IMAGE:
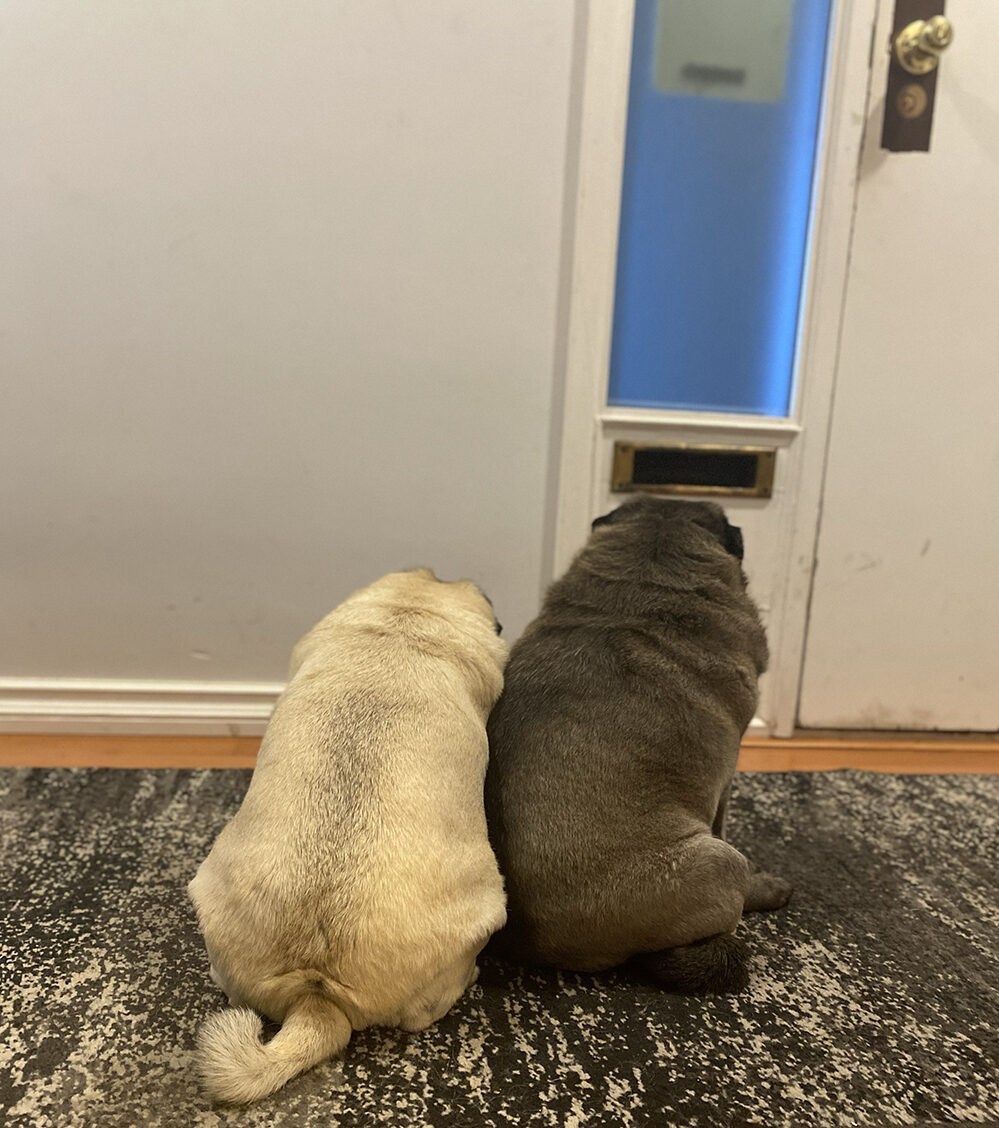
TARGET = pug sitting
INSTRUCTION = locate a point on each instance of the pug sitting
(355, 886)
(612, 751)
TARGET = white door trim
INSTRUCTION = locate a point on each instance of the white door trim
(590, 277)
(845, 118)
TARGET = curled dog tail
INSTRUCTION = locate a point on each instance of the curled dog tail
(718, 965)
(236, 1066)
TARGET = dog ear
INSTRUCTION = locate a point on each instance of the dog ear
(609, 518)
(733, 540)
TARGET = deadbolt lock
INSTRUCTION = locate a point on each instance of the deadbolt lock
(918, 45)
(911, 101)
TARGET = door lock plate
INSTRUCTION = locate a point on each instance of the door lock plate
(920, 32)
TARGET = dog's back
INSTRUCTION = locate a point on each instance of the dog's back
(334, 859)
(615, 736)
(357, 873)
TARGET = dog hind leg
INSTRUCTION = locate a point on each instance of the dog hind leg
(438, 997)
(706, 889)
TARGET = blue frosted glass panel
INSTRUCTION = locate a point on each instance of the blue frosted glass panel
(714, 218)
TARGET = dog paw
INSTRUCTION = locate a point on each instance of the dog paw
(766, 891)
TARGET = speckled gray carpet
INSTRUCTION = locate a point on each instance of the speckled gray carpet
(875, 994)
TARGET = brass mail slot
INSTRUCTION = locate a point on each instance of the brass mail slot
(687, 468)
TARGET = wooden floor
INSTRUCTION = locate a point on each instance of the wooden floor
(806, 751)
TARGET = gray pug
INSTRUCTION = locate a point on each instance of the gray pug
(612, 751)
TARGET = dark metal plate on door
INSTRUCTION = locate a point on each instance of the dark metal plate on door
(920, 32)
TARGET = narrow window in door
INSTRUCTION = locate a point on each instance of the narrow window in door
(721, 143)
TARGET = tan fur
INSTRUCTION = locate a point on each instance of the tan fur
(355, 886)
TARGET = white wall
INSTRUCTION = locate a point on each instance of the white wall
(278, 302)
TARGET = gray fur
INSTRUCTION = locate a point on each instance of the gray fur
(613, 746)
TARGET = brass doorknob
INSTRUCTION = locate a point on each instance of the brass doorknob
(918, 45)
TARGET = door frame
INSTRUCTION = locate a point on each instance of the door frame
(582, 420)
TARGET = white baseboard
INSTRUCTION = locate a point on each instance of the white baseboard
(759, 727)
(149, 708)
(140, 708)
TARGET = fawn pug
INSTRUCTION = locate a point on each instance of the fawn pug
(355, 885)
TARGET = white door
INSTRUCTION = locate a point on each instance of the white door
(904, 620)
